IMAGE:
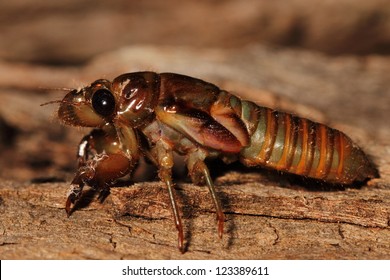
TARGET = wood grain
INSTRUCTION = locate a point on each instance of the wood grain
(263, 221)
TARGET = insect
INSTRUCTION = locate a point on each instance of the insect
(154, 115)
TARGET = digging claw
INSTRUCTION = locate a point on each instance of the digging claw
(68, 205)
(103, 194)
(73, 194)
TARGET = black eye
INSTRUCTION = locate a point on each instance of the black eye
(103, 102)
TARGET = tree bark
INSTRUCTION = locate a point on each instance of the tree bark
(263, 221)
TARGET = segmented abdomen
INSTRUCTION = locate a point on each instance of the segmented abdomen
(297, 145)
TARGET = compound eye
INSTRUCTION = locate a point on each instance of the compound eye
(103, 102)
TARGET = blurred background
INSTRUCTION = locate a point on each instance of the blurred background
(71, 32)
(327, 60)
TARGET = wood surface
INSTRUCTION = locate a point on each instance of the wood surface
(263, 221)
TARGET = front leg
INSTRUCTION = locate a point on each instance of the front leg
(85, 152)
(101, 161)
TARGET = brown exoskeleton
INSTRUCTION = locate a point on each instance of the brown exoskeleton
(175, 113)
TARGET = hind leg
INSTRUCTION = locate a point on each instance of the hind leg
(200, 174)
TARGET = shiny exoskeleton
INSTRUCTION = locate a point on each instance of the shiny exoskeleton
(153, 115)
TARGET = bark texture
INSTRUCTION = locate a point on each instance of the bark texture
(263, 221)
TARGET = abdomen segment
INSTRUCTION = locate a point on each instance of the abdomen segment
(297, 145)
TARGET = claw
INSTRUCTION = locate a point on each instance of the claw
(221, 220)
(68, 206)
(180, 240)
(104, 192)
(73, 194)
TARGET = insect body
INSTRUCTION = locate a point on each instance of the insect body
(153, 115)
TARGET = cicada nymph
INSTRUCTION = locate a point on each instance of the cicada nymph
(154, 115)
